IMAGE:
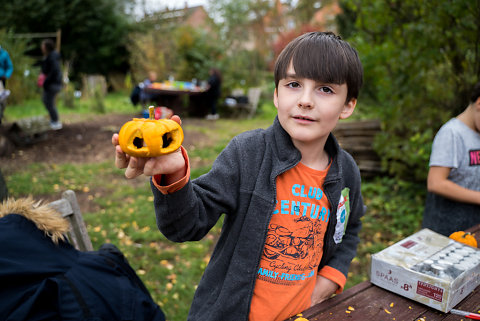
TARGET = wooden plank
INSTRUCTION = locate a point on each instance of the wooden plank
(331, 303)
(348, 133)
(357, 138)
(78, 225)
(68, 207)
(352, 149)
(373, 303)
(62, 206)
(360, 124)
(369, 167)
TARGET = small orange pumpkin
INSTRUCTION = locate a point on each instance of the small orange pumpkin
(464, 237)
(150, 137)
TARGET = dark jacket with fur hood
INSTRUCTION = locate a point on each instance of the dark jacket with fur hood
(42, 277)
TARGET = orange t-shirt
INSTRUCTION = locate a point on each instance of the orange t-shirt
(294, 246)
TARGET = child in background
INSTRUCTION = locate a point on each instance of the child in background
(453, 182)
(291, 196)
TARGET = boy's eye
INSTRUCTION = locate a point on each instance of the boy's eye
(293, 84)
(325, 89)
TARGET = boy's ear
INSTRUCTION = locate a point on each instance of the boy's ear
(348, 108)
(477, 103)
(275, 98)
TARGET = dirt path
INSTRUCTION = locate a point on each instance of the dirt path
(86, 141)
(82, 141)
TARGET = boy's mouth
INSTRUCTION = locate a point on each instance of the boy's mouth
(302, 118)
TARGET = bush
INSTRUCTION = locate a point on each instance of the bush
(420, 59)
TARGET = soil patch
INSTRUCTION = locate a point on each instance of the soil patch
(85, 141)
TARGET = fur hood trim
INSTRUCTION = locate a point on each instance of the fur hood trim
(45, 218)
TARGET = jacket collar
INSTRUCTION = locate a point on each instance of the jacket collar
(289, 155)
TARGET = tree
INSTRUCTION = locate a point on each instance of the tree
(305, 10)
(421, 59)
(94, 32)
(246, 32)
(233, 17)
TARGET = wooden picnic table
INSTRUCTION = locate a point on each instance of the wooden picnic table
(183, 102)
(368, 302)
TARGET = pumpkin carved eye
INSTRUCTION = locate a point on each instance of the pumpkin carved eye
(150, 137)
(167, 140)
(138, 142)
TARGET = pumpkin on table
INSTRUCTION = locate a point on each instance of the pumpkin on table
(464, 237)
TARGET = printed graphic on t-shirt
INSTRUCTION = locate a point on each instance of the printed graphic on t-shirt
(294, 242)
(474, 157)
(288, 251)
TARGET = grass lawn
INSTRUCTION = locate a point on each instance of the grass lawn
(121, 211)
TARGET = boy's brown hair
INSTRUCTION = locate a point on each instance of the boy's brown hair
(475, 92)
(323, 57)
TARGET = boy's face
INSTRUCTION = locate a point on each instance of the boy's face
(309, 110)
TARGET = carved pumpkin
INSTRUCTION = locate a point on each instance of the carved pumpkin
(150, 137)
(464, 237)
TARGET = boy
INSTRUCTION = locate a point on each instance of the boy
(453, 201)
(290, 194)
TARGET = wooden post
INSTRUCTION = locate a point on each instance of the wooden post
(58, 39)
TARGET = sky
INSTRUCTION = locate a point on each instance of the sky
(157, 5)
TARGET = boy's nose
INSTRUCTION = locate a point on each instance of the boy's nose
(305, 100)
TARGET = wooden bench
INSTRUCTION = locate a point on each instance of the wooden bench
(357, 138)
(69, 208)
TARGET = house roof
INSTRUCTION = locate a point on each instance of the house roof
(194, 16)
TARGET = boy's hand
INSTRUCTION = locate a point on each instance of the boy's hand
(170, 164)
(324, 289)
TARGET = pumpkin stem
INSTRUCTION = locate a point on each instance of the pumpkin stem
(151, 112)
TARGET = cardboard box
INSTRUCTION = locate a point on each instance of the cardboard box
(429, 268)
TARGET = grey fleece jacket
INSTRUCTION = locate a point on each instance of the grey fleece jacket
(241, 184)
